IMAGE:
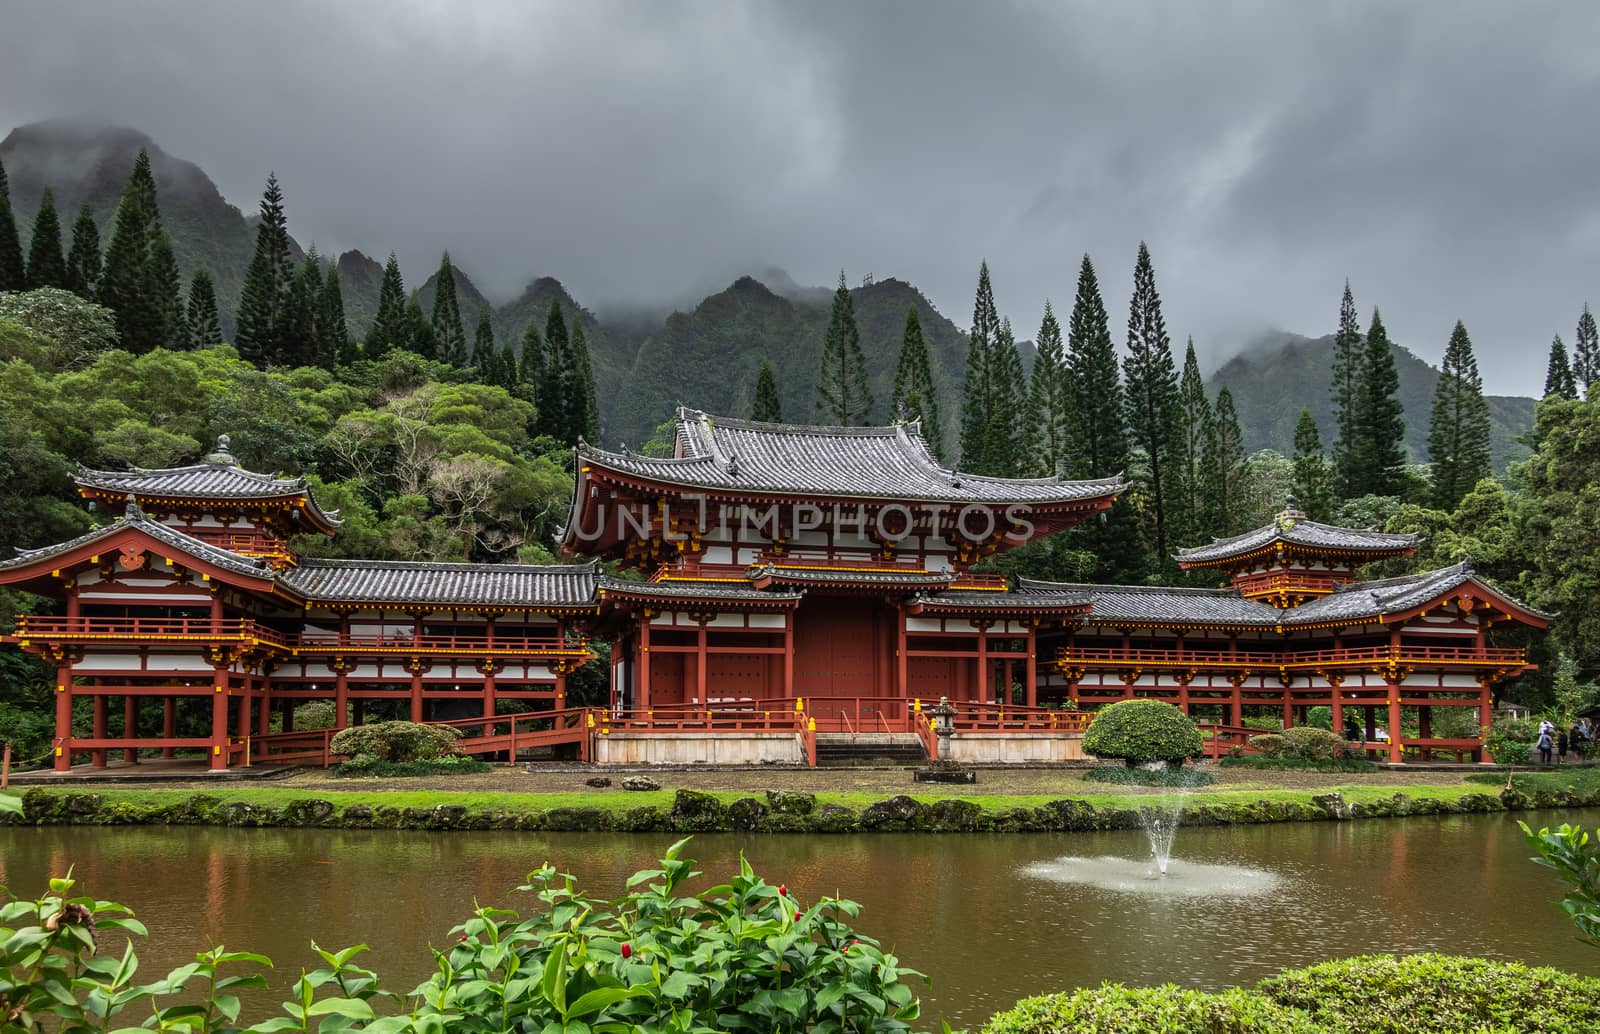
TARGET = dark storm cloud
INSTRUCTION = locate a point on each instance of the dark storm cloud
(1441, 156)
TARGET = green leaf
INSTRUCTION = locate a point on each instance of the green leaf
(603, 998)
(354, 1008)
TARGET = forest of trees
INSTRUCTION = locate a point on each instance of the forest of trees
(436, 443)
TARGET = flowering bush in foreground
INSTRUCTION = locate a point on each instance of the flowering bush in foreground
(740, 956)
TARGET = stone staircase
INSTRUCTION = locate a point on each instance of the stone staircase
(841, 750)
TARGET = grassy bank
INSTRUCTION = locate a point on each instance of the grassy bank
(385, 806)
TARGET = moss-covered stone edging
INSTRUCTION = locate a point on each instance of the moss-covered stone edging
(692, 811)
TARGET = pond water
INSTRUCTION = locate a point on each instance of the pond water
(991, 918)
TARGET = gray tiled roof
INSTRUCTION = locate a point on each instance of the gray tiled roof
(1301, 532)
(155, 529)
(815, 576)
(1155, 605)
(1023, 598)
(689, 590)
(1367, 600)
(890, 462)
(220, 477)
(404, 581)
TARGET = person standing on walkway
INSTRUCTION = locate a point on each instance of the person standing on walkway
(1561, 747)
(1544, 743)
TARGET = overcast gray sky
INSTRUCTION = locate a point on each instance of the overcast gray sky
(1442, 156)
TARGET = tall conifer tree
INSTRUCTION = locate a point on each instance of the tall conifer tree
(1194, 425)
(389, 327)
(554, 407)
(767, 407)
(1458, 436)
(13, 273)
(583, 418)
(205, 326)
(505, 367)
(165, 288)
(1381, 419)
(1313, 485)
(531, 362)
(1152, 394)
(335, 346)
(1346, 392)
(299, 341)
(977, 390)
(262, 333)
(1100, 431)
(1007, 403)
(83, 261)
(449, 333)
(915, 397)
(1225, 470)
(418, 329)
(484, 350)
(125, 279)
(47, 264)
(1586, 355)
(1046, 427)
(1558, 380)
(842, 394)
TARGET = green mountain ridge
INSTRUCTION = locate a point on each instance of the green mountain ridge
(1274, 378)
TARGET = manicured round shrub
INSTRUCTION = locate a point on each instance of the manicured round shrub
(396, 741)
(317, 714)
(1114, 1009)
(1270, 744)
(1419, 993)
(1142, 731)
(1312, 744)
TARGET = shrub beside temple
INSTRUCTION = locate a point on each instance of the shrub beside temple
(1143, 731)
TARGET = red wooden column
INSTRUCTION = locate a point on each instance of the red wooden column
(97, 758)
(247, 704)
(63, 759)
(902, 678)
(1395, 748)
(219, 718)
(416, 669)
(130, 728)
(788, 654)
(1336, 703)
(169, 723)
(700, 659)
(341, 694)
(488, 669)
(983, 660)
(1031, 697)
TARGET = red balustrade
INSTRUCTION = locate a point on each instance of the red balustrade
(32, 626)
(1404, 654)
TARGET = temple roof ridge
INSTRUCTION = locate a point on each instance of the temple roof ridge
(1303, 532)
(1156, 590)
(155, 529)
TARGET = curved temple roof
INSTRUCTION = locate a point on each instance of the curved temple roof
(888, 462)
(1295, 529)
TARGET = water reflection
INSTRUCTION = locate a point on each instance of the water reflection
(969, 910)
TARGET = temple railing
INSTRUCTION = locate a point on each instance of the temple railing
(1289, 582)
(1497, 656)
(145, 629)
(477, 645)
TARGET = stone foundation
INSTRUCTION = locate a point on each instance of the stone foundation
(1006, 748)
(698, 748)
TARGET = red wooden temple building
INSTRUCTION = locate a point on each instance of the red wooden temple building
(788, 585)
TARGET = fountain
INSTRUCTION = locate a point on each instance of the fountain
(1160, 822)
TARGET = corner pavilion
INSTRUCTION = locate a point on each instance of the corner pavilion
(789, 587)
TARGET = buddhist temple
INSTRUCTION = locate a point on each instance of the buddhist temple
(775, 591)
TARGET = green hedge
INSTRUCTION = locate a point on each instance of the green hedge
(395, 741)
(1143, 731)
(1370, 994)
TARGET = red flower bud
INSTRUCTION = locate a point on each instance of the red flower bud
(783, 890)
(797, 915)
(627, 950)
(463, 937)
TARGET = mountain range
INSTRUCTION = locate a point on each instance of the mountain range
(647, 360)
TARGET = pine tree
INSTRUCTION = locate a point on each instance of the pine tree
(449, 334)
(1380, 420)
(125, 280)
(915, 397)
(1099, 432)
(418, 330)
(83, 261)
(842, 395)
(299, 342)
(47, 266)
(1586, 355)
(1152, 396)
(483, 346)
(1458, 436)
(165, 291)
(1043, 434)
(767, 408)
(389, 327)
(977, 390)
(205, 327)
(531, 363)
(1223, 462)
(13, 274)
(1008, 403)
(1194, 425)
(1558, 379)
(262, 336)
(552, 398)
(335, 346)
(1312, 477)
(1346, 392)
(583, 417)
(505, 367)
